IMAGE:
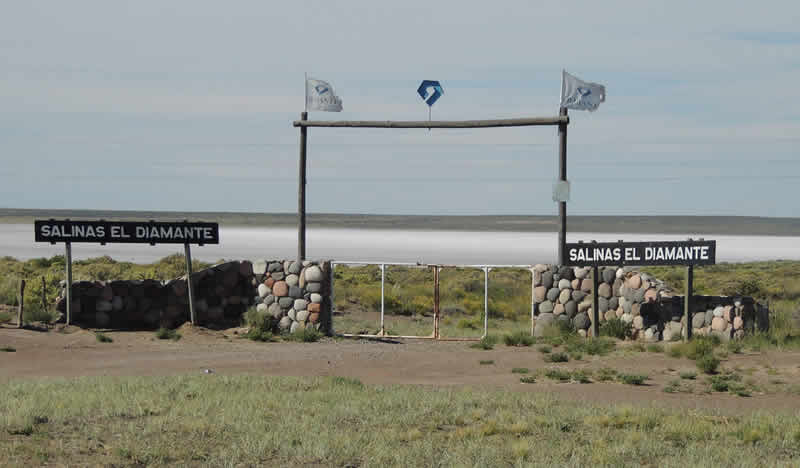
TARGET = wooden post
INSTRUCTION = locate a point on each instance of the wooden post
(436, 302)
(301, 194)
(190, 289)
(68, 248)
(596, 305)
(562, 175)
(21, 307)
(687, 302)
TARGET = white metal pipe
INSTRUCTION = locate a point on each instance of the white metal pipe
(383, 282)
(485, 301)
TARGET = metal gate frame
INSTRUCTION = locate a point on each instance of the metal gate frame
(435, 335)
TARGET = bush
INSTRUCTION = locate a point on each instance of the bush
(638, 347)
(306, 335)
(5, 317)
(486, 343)
(591, 346)
(688, 375)
(545, 349)
(487, 362)
(528, 379)
(735, 347)
(581, 376)
(519, 338)
(103, 338)
(261, 325)
(708, 363)
(632, 379)
(167, 334)
(561, 375)
(8, 349)
(520, 370)
(606, 374)
(557, 357)
(616, 328)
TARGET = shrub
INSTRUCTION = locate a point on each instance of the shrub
(632, 379)
(103, 338)
(520, 370)
(673, 386)
(260, 335)
(261, 325)
(688, 375)
(638, 347)
(735, 347)
(591, 346)
(557, 357)
(655, 348)
(486, 343)
(701, 346)
(305, 335)
(528, 379)
(719, 385)
(708, 363)
(5, 317)
(615, 328)
(581, 376)
(606, 374)
(519, 338)
(8, 349)
(545, 349)
(575, 356)
(561, 375)
(167, 334)
(487, 362)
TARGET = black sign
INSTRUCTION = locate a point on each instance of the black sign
(642, 253)
(126, 232)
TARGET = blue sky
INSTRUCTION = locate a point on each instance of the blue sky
(187, 105)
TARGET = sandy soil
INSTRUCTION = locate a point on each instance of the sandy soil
(75, 352)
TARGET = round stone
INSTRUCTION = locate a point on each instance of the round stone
(602, 303)
(285, 323)
(726, 313)
(541, 267)
(613, 303)
(586, 285)
(313, 273)
(616, 287)
(645, 285)
(609, 274)
(545, 307)
(280, 289)
(620, 273)
(610, 314)
(285, 302)
(638, 296)
(718, 312)
(316, 298)
(619, 312)
(636, 309)
(578, 296)
(294, 268)
(635, 282)
(582, 333)
(547, 279)
(709, 316)
(269, 299)
(295, 292)
(581, 273)
(571, 308)
(576, 283)
(275, 311)
(649, 335)
(581, 321)
(292, 314)
(302, 316)
(738, 323)
(539, 294)
(259, 267)
(564, 283)
(292, 280)
(313, 287)
(294, 327)
(584, 306)
(300, 304)
(564, 296)
(314, 317)
(262, 308)
(566, 273)
(263, 290)
(699, 320)
(537, 278)
(274, 266)
(718, 324)
(604, 290)
(552, 294)
(558, 309)
(627, 318)
(312, 308)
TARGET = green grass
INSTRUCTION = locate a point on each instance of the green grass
(232, 421)
(486, 343)
(167, 334)
(486, 362)
(655, 348)
(688, 375)
(544, 349)
(605, 374)
(557, 357)
(520, 370)
(520, 338)
(615, 328)
(305, 335)
(708, 363)
(5, 317)
(103, 338)
(632, 379)
(591, 346)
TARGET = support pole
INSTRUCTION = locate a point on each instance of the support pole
(383, 283)
(44, 295)
(596, 300)
(301, 194)
(436, 302)
(68, 248)
(189, 287)
(562, 175)
(533, 303)
(485, 301)
(687, 302)
(21, 307)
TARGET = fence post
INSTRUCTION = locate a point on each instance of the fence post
(383, 282)
(68, 248)
(190, 290)
(533, 306)
(44, 295)
(596, 301)
(485, 301)
(21, 302)
(436, 302)
(687, 302)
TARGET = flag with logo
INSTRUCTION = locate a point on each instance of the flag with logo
(321, 97)
(580, 95)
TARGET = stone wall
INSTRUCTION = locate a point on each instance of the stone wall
(300, 293)
(645, 303)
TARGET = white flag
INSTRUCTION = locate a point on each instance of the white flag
(580, 95)
(320, 96)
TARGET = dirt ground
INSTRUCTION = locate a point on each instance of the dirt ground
(76, 352)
